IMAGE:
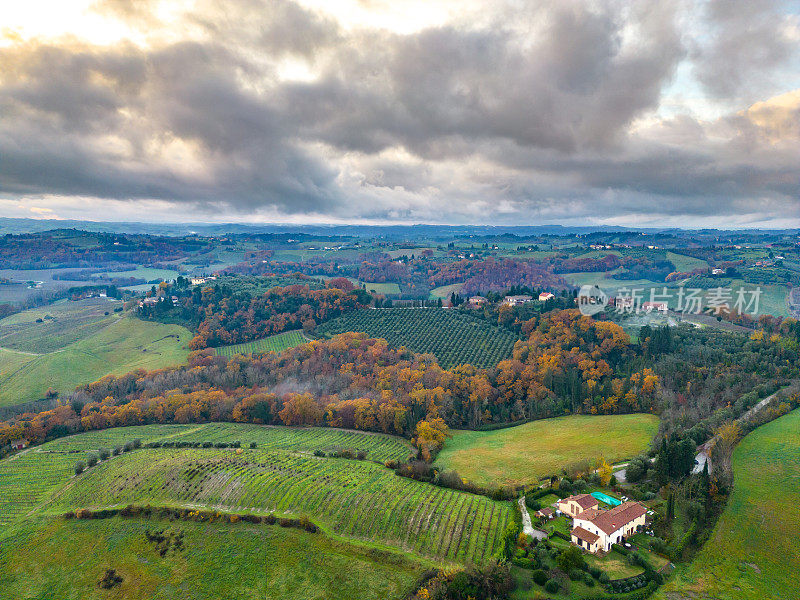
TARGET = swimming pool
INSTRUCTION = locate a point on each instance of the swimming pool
(606, 498)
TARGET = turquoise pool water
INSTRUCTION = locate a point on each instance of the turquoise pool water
(607, 499)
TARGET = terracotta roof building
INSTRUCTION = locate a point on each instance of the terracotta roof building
(576, 505)
(585, 539)
(610, 526)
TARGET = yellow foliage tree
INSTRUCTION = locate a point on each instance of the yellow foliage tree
(604, 470)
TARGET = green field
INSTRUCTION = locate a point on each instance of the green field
(123, 345)
(752, 553)
(62, 323)
(387, 289)
(686, 264)
(274, 343)
(146, 273)
(451, 336)
(523, 454)
(379, 447)
(57, 558)
(352, 499)
(355, 499)
(27, 479)
(444, 291)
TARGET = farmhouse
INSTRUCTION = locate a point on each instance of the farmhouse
(596, 530)
(623, 303)
(19, 444)
(657, 306)
(477, 301)
(575, 505)
(517, 300)
(585, 539)
(545, 296)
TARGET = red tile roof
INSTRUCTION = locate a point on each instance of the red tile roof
(589, 514)
(612, 520)
(583, 500)
(585, 535)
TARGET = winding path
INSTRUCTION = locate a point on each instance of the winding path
(527, 525)
(704, 456)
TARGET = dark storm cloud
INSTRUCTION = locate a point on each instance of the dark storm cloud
(65, 114)
(531, 115)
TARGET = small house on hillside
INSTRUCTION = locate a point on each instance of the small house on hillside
(575, 505)
(545, 296)
(655, 306)
(517, 300)
(477, 301)
(20, 444)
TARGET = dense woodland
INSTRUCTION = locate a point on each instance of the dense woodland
(76, 249)
(237, 311)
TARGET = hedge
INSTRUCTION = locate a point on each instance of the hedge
(186, 514)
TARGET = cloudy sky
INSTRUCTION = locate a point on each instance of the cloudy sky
(637, 112)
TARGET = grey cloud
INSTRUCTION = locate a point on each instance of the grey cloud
(58, 111)
(532, 117)
(747, 41)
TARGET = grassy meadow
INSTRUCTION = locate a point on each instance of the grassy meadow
(52, 327)
(686, 264)
(752, 553)
(444, 291)
(523, 454)
(122, 344)
(355, 500)
(358, 500)
(387, 289)
(274, 343)
(57, 558)
(28, 479)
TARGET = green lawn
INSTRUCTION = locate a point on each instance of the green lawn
(125, 344)
(387, 289)
(686, 264)
(523, 454)
(62, 323)
(444, 291)
(274, 343)
(752, 553)
(56, 558)
(615, 564)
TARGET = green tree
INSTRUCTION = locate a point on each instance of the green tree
(571, 558)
